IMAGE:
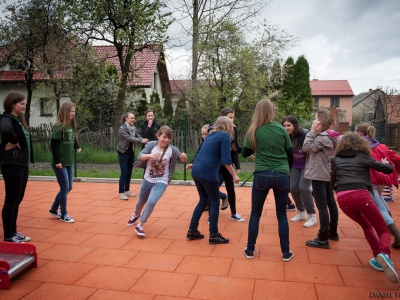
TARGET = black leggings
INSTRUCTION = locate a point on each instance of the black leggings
(15, 180)
(230, 188)
(324, 200)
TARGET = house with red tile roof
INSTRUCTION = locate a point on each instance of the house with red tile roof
(337, 93)
(148, 72)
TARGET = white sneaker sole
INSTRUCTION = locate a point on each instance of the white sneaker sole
(310, 225)
(390, 272)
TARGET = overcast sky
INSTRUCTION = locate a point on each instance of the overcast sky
(357, 40)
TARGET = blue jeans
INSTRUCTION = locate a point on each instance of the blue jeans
(382, 206)
(126, 164)
(264, 181)
(209, 193)
(149, 193)
(64, 179)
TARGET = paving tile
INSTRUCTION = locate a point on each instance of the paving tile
(213, 287)
(37, 234)
(196, 247)
(19, 288)
(155, 261)
(107, 241)
(274, 253)
(334, 292)
(168, 284)
(52, 291)
(105, 228)
(214, 266)
(105, 218)
(265, 289)
(108, 257)
(65, 252)
(339, 257)
(148, 244)
(69, 237)
(231, 251)
(77, 226)
(313, 273)
(365, 277)
(257, 269)
(352, 232)
(103, 294)
(62, 272)
(111, 278)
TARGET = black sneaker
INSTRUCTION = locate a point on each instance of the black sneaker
(249, 254)
(291, 207)
(194, 235)
(287, 257)
(14, 239)
(21, 237)
(218, 239)
(55, 213)
(318, 243)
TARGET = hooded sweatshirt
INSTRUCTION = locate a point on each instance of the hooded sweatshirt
(320, 148)
(379, 151)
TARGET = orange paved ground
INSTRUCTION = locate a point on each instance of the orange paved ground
(99, 257)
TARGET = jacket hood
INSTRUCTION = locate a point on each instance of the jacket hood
(333, 135)
(372, 142)
(347, 154)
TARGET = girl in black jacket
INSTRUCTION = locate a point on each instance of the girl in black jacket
(350, 180)
(15, 155)
(149, 127)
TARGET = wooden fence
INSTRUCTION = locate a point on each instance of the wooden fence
(105, 140)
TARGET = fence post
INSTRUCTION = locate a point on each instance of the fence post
(184, 143)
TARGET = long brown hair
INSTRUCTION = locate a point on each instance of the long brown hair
(353, 142)
(263, 114)
(11, 99)
(325, 119)
(125, 116)
(297, 131)
(64, 118)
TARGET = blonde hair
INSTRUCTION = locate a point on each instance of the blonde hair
(64, 118)
(325, 119)
(353, 142)
(263, 114)
(366, 129)
(223, 124)
(205, 127)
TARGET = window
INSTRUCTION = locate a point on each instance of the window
(335, 101)
(155, 81)
(46, 107)
(316, 102)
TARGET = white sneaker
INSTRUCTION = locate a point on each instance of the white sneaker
(312, 221)
(237, 217)
(122, 196)
(129, 194)
(301, 215)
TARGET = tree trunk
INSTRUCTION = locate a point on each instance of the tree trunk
(195, 43)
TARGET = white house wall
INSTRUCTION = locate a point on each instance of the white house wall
(158, 89)
(35, 118)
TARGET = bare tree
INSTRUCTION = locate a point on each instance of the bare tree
(205, 16)
(388, 106)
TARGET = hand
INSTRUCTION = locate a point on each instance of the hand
(252, 157)
(237, 171)
(189, 166)
(150, 123)
(315, 126)
(59, 166)
(10, 146)
(183, 157)
(78, 150)
(385, 161)
(236, 179)
(145, 141)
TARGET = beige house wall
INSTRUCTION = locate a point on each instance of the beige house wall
(345, 108)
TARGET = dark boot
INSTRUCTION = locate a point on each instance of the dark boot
(332, 234)
(321, 241)
(395, 232)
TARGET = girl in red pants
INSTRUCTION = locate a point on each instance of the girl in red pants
(350, 179)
